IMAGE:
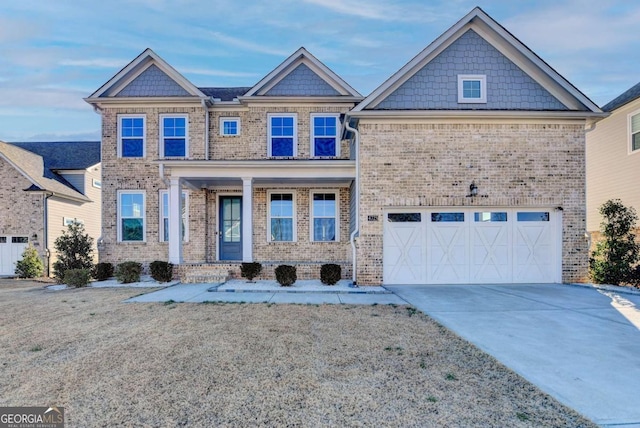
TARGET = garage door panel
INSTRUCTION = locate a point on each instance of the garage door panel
(448, 252)
(491, 258)
(404, 253)
(11, 249)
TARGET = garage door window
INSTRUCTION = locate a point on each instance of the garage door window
(3, 239)
(404, 217)
(19, 240)
(490, 216)
(447, 217)
(533, 216)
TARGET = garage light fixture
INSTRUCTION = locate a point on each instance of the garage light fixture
(473, 190)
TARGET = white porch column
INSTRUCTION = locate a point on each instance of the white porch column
(247, 219)
(175, 221)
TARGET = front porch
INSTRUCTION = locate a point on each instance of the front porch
(218, 272)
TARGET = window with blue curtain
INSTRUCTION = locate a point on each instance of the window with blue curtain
(174, 136)
(325, 135)
(132, 137)
(324, 216)
(282, 135)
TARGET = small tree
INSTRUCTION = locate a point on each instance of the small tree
(31, 265)
(74, 250)
(614, 259)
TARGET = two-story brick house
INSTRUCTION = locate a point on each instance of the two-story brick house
(466, 166)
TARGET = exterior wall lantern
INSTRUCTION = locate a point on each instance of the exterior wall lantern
(473, 190)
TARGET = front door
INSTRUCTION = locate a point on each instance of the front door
(230, 233)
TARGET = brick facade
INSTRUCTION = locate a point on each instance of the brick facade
(433, 164)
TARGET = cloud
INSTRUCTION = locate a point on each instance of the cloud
(214, 72)
(380, 10)
(247, 45)
(95, 63)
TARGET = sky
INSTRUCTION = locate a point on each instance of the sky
(54, 53)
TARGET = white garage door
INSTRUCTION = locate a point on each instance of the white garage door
(11, 249)
(469, 246)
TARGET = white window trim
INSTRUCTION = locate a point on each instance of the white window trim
(144, 133)
(161, 217)
(630, 133)
(312, 132)
(295, 132)
(144, 213)
(161, 132)
(483, 88)
(295, 217)
(336, 192)
(229, 119)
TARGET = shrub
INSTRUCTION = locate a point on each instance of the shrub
(30, 266)
(250, 270)
(286, 275)
(73, 249)
(102, 271)
(128, 272)
(161, 271)
(330, 273)
(614, 259)
(77, 277)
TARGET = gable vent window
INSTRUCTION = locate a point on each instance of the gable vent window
(635, 131)
(472, 88)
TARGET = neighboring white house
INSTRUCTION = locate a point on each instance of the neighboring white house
(44, 186)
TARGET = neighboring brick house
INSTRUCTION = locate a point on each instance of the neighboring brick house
(43, 186)
(467, 165)
(613, 158)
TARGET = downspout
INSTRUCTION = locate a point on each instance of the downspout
(45, 230)
(589, 126)
(356, 229)
(206, 129)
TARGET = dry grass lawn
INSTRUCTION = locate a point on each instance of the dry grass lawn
(115, 364)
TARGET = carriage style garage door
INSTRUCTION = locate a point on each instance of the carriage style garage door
(469, 246)
(11, 249)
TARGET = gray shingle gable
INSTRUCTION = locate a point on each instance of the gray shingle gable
(435, 86)
(153, 82)
(302, 81)
(65, 154)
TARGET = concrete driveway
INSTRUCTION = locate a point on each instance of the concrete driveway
(579, 344)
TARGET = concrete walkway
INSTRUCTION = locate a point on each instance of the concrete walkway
(581, 345)
(302, 292)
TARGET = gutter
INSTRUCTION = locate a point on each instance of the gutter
(356, 229)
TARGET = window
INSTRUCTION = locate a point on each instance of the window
(489, 216)
(533, 216)
(282, 135)
(404, 218)
(447, 217)
(472, 88)
(281, 217)
(229, 126)
(131, 216)
(164, 216)
(634, 129)
(19, 240)
(324, 135)
(324, 214)
(131, 136)
(173, 136)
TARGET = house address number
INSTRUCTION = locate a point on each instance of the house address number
(372, 218)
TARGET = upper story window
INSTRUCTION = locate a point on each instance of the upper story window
(324, 213)
(173, 135)
(634, 131)
(283, 130)
(164, 216)
(282, 217)
(131, 215)
(131, 136)
(472, 88)
(324, 135)
(229, 126)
